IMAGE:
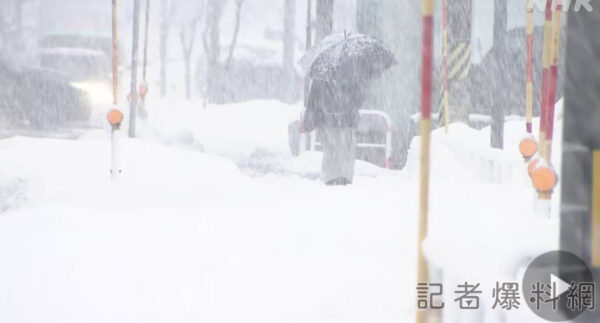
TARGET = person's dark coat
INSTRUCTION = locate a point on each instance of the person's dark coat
(333, 105)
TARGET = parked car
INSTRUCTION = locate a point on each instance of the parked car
(40, 97)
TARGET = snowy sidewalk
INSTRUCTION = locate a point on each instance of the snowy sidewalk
(190, 236)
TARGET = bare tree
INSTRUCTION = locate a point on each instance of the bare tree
(324, 19)
(212, 49)
(187, 37)
(236, 31)
(167, 10)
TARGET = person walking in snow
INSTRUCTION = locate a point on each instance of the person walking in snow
(333, 110)
(341, 68)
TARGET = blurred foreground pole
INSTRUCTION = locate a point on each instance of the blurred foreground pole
(144, 85)
(445, 99)
(426, 79)
(529, 69)
(545, 76)
(115, 165)
(134, 66)
(580, 192)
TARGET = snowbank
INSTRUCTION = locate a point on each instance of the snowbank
(188, 235)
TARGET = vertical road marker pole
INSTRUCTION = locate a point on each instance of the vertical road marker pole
(303, 135)
(144, 85)
(529, 82)
(134, 66)
(115, 116)
(426, 83)
(446, 95)
(553, 76)
(545, 75)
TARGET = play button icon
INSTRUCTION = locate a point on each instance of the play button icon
(551, 286)
(560, 286)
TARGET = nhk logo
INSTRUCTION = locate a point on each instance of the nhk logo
(566, 5)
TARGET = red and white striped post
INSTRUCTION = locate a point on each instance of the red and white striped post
(446, 94)
(545, 75)
(553, 77)
(115, 116)
(529, 83)
(426, 84)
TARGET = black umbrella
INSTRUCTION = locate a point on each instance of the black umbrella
(354, 60)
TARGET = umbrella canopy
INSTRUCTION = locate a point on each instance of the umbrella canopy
(354, 60)
(311, 54)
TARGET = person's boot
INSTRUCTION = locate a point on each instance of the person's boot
(339, 181)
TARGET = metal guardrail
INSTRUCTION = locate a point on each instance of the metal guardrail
(387, 146)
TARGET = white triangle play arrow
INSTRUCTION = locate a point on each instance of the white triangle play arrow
(561, 285)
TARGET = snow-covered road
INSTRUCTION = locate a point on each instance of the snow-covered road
(188, 235)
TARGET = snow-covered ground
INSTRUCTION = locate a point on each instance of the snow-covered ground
(214, 221)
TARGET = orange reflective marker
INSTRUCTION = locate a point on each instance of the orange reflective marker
(544, 178)
(532, 165)
(528, 147)
(114, 117)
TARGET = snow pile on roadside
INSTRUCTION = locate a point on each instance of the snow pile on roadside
(186, 236)
(235, 131)
(483, 229)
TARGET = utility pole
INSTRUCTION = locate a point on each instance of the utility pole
(134, 66)
(144, 85)
(302, 139)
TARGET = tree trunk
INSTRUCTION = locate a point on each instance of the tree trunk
(289, 41)
(164, 39)
(188, 78)
(498, 78)
(324, 19)
(213, 51)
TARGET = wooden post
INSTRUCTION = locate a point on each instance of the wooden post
(529, 82)
(446, 94)
(426, 83)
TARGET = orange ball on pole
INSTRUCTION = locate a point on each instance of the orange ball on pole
(528, 147)
(114, 117)
(544, 178)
